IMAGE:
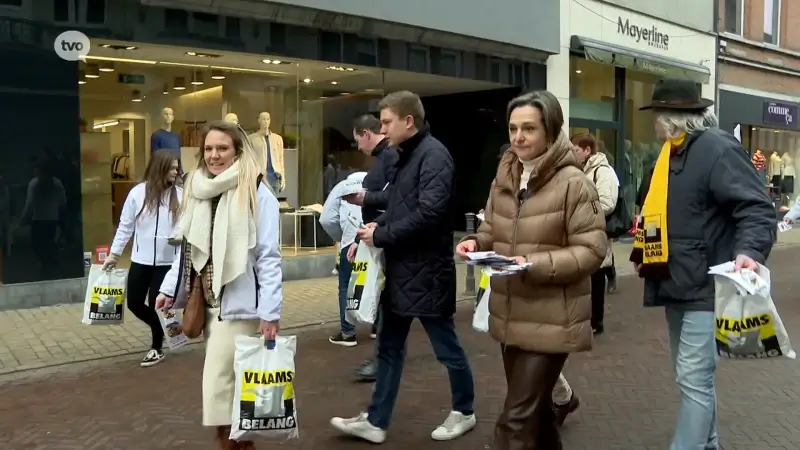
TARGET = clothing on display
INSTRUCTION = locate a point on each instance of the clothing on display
(163, 139)
(270, 146)
(760, 163)
(787, 184)
(774, 167)
(775, 181)
(192, 133)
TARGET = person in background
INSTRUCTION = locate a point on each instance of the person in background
(704, 205)
(149, 216)
(542, 210)
(44, 210)
(373, 200)
(229, 226)
(330, 175)
(417, 243)
(596, 167)
(336, 221)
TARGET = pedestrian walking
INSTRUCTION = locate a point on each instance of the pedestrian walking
(373, 200)
(542, 210)
(704, 205)
(149, 216)
(229, 227)
(337, 220)
(596, 167)
(417, 239)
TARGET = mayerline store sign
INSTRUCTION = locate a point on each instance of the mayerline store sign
(638, 32)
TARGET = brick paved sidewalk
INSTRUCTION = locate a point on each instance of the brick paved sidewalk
(626, 388)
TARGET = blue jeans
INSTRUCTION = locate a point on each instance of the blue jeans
(345, 269)
(392, 337)
(694, 358)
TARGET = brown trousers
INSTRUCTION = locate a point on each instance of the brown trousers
(527, 421)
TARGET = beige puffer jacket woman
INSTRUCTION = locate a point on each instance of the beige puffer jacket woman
(559, 228)
(606, 182)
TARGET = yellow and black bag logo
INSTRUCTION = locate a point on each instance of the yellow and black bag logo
(747, 338)
(482, 286)
(358, 278)
(267, 400)
(107, 304)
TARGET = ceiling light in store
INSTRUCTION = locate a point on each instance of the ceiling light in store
(307, 80)
(92, 71)
(322, 97)
(81, 77)
(106, 66)
(372, 90)
(217, 75)
(119, 47)
(137, 97)
(344, 93)
(240, 69)
(122, 60)
(166, 89)
(197, 78)
(341, 68)
(777, 131)
(180, 84)
(203, 55)
(334, 83)
(273, 61)
(578, 71)
(106, 124)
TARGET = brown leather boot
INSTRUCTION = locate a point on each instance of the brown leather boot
(562, 411)
(223, 438)
(244, 445)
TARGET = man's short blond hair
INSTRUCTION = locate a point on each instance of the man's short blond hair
(404, 104)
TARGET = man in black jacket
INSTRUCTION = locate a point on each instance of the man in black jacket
(417, 241)
(367, 133)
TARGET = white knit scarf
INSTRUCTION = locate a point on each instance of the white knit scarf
(234, 233)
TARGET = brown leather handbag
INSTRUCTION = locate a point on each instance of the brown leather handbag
(194, 314)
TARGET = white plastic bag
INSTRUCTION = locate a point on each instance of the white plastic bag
(366, 285)
(264, 403)
(104, 303)
(747, 322)
(480, 317)
(171, 324)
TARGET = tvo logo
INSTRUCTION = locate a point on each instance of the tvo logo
(72, 45)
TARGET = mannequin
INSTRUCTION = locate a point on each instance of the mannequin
(774, 170)
(164, 138)
(232, 118)
(270, 146)
(760, 163)
(787, 174)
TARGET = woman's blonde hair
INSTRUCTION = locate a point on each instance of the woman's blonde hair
(250, 167)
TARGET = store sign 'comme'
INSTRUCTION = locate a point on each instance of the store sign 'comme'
(649, 34)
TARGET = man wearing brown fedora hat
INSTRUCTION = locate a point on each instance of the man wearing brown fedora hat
(704, 205)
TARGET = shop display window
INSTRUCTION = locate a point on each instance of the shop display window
(774, 154)
(137, 98)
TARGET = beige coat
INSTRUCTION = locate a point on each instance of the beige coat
(560, 229)
(606, 182)
(276, 152)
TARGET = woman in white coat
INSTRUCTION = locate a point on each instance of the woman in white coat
(149, 216)
(229, 224)
(597, 168)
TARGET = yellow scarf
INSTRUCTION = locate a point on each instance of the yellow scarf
(651, 247)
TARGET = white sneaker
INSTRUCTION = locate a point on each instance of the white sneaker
(360, 427)
(152, 358)
(456, 425)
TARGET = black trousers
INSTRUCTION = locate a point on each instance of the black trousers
(144, 283)
(598, 296)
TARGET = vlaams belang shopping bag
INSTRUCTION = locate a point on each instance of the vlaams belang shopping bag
(480, 317)
(264, 403)
(747, 322)
(366, 284)
(104, 303)
(171, 324)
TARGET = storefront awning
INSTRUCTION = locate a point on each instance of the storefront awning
(628, 58)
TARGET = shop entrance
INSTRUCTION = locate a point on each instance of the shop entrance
(604, 132)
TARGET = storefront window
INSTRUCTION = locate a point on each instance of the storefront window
(137, 98)
(591, 90)
(775, 154)
(641, 145)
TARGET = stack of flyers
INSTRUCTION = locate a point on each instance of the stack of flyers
(494, 264)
